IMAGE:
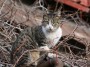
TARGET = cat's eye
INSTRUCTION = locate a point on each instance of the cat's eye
(55, 19)
(45, 18)
(45, 23)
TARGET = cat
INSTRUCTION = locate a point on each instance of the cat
(44, 36)
(51, 31)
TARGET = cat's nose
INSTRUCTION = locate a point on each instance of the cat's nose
(51, 28)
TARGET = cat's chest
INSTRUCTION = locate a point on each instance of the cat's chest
(54, 37)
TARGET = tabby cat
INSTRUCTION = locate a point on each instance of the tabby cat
(51, 31)
(44, 37)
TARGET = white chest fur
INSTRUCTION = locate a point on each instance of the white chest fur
(53, 37)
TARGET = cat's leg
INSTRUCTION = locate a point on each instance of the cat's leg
(46, 48)
(50, 55)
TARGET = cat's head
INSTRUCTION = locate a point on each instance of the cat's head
(51, 21)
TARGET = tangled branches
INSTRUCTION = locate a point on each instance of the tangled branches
(17, 18)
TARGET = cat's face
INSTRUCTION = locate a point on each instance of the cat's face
(51, 22)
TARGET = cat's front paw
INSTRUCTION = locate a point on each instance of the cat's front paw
(45, 48)
(52, 55)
